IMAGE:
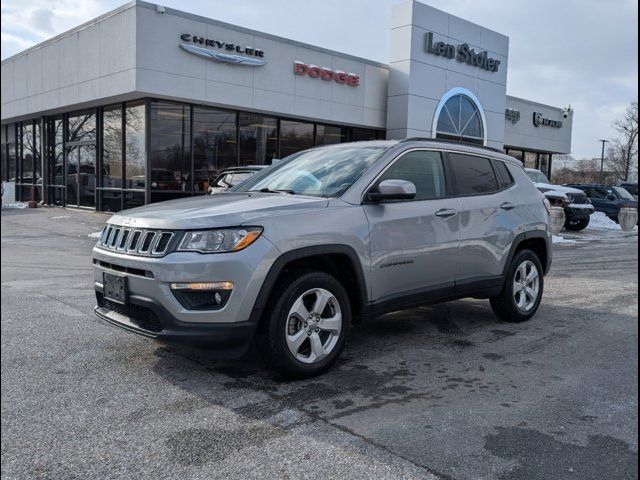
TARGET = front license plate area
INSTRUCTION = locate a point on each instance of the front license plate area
(115, 287)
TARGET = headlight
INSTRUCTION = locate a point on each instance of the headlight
(218, 241)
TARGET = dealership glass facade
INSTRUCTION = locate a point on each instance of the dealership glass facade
(125, 155)
(532, 159)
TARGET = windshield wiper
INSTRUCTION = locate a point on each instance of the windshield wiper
(268, 190)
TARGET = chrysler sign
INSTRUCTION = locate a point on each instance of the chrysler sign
(249, 56)
(462, 52)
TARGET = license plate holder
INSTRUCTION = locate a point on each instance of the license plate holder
(115, 287)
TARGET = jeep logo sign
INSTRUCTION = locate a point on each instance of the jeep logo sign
(539, 120)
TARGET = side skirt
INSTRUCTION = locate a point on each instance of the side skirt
(482, 288)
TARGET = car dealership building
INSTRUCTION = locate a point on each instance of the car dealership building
(146, 103)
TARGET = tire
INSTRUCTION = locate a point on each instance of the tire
(577, 225)
(283, 325)
(505, 305)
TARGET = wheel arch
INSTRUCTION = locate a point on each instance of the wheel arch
(339, 260)
(536, 241)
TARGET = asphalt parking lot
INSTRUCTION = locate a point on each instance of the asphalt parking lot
(445, 392)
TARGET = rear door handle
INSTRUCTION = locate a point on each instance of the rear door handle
(507, 206)
(446, 213)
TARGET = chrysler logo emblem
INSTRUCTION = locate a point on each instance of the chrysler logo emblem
(223, 57)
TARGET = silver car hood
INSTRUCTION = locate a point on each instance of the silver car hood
(213, 211)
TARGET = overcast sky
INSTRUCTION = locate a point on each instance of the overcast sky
(578, 52)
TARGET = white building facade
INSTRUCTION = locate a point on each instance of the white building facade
(146, 103)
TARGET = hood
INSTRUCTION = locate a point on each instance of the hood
(558, 188)
(214, 211)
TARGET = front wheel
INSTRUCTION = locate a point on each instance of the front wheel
(307, 326)
(576, 225)
(522, 292)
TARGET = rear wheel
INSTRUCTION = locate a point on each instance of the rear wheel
(307, 325)
(576, 225)
(522, 292)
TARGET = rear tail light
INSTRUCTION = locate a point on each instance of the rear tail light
(547, 205)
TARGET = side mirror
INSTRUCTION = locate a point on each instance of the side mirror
(612, 197)
(392, 190)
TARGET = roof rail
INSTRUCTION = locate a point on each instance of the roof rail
(453, 142)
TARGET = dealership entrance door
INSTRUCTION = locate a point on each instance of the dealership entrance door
(81, 175)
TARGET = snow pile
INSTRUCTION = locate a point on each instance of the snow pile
(559, 239)
(601, 221)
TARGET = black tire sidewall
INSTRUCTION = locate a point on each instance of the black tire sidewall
(577, 225)
(278, 317)
(514, 312)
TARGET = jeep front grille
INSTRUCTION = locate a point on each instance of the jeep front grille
(134, 241)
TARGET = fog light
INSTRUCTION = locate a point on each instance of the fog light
(202, 295)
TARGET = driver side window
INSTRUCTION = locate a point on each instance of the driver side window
(422, 168)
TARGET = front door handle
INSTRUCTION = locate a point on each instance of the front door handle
(446, 213)
(507, 206)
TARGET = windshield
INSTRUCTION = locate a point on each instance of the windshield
(537, 177)
(320, 172)
(622, 193)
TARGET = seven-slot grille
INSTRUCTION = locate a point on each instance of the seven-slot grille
(134, 241)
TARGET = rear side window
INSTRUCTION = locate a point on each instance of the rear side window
(472, 175)
(422, 168)
(504, 176)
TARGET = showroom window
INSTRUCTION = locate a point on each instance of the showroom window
(365, 134)
(55, 161)
(170, 158)
(80, 159)
(28, 165)
(459, 117)
(331, 134)
(295, 136)
(258, 137)
(135, 147)
(530, 160)
(214, 144)
(124, 158)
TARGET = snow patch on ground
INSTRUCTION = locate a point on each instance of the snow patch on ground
(559, 239)
(95, 234)
(14, 205)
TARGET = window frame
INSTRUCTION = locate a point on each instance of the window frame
(511, 180)
(375, 182)
(491, 160)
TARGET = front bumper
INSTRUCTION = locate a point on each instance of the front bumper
(230, 340)
(578, 211)
(153, 310)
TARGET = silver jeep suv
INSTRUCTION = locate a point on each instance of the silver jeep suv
(322, 240)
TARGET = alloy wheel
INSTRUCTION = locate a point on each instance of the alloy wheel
(313, 325)
(526, 285)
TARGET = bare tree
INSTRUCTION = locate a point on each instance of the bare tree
(623, 154)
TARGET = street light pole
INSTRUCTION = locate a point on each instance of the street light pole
(602, 161)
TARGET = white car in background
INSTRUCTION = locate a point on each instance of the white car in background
(577, 207)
